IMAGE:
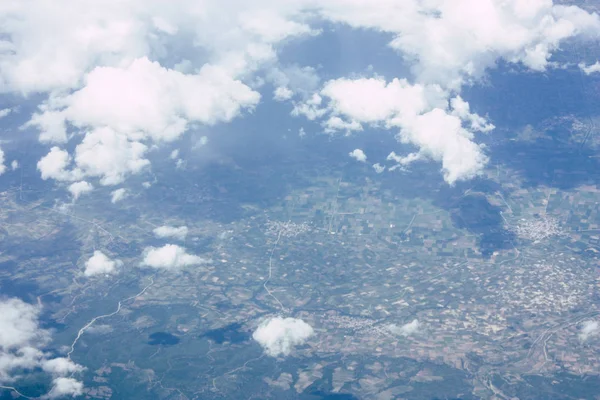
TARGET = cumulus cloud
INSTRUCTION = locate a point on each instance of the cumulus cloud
(461, 109)
(278, 28)
(62, 387)
(358, 155)
(81, 37)
(282, 93)
(408, 329)
(402, 161)
(310, 108)
(118, 195)
(61, 366)
(335, 124)
(100, 263)
(111, 85)
(378, 168)
(53, 124)
(54, 165)
(179, 232)
(237, 36)
(121, 108)
(19, 321)
(451, 42)
(423, 114)
(278, 336)
(14, 165)
(590, 69)
(21, 343)
(2, 166)
(589, 329)
(78, 188)
(302, 80)
(170, 257)
(111, 88)
(144, 99)
(109, 156)
(4, 112)
(373, 100)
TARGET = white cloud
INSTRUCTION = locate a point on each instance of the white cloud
(282, 93)
(19, 325)
(276, 29)
(107, 155)
(100, 263)
(120, 108)
(373, 100)
(170, 257)
(22, 341)
(441, 137)
(52, 125)
(2, 166)
(408, 329)
(237, 35)
(461, 109)
(402, 161)
(78, 188)
(117, 84)
(201, 142)
(310, 108)
(61, 366)
(293, 79)
(378, 168)
(174, 154)
(118, 195)
(358, 155)
(110, 82)
(4, 112)
(62, 387)
(423, 114)
(144, 97)
(165, 231)
(590, 69)
(589, 329)
(54, 165)
(109, 34)
(335, 123)
(14, 164)
(450, 42)
(278, 336)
